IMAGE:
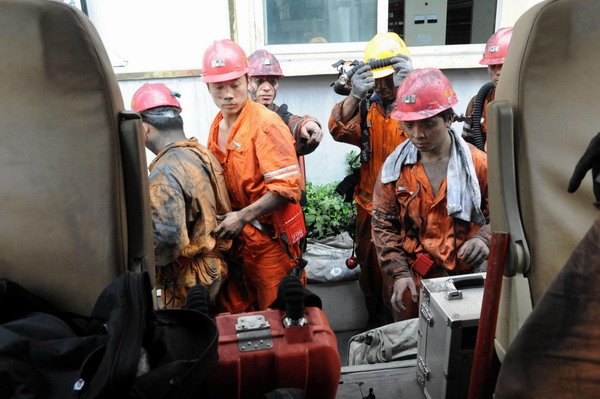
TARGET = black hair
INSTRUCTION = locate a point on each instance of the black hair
(447, 115)
(156, 118)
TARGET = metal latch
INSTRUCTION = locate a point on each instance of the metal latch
(452, 292)
(426, 314)
(422, 371)
(253, 333)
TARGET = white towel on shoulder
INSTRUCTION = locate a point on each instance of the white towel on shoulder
(462, 188)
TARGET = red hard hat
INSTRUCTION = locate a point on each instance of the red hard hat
(263, 63)
(223, 60)
(422, 94)
(496, 47)
(152, 95)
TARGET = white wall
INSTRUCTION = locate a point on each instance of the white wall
(155, 35)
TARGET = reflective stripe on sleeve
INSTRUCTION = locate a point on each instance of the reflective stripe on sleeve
(282, 173)
(283, 176)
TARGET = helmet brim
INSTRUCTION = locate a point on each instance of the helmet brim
(224, 77)
(492, 61)
(382, 73)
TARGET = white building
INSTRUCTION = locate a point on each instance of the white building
(153, 40)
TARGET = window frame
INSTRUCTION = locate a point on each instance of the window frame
(247, 24)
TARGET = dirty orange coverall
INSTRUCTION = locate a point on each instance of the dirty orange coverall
(260, 156)
(385, 135)
(187, 191)
(408, 218)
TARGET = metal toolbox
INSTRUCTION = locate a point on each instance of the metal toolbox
(448, 318)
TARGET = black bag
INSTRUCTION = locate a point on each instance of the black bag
(125, 349)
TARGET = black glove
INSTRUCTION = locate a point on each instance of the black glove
(589, 160)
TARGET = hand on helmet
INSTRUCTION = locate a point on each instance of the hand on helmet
(402, 67)
(589, 160)
(362, 82)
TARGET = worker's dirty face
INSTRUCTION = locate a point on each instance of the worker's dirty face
(385, 89)
(263, 89)
(229, 96)
(494, 71)
(428, 135)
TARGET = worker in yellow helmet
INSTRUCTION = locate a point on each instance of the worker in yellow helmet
(363, 119)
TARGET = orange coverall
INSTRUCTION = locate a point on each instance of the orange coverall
(385, 135)
(260, 156)
(408, 218)
(187, 191)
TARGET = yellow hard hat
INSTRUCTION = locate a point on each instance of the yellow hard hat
(385, 45)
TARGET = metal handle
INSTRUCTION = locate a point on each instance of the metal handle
(453, 285)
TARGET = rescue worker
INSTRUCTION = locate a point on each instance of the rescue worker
(264, 75)
(493, 56)
(187, 192)
(430, 203)
(364, 119)
(263, 82)
(263, 178)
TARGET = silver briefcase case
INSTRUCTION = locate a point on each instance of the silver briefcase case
(448, 319)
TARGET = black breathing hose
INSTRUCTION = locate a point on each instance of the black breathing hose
(340, 86)
(293, 295)
(376, 64)
(478, 135)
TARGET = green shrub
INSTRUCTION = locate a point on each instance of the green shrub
(326, 213)
(352, 161)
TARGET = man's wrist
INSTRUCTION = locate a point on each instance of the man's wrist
(402, 271)
(356, 96)
(243, 215)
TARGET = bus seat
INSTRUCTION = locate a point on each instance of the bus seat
(74, 206)
(544, 114)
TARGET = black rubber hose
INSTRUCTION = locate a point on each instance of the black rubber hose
(198, 299)
(376, 64)
(293, 294)
(478, 135)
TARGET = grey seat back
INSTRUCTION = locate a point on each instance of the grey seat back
(74, 209)
(544, 114)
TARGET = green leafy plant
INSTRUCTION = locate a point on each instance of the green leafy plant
(326, 214)
(352, 161)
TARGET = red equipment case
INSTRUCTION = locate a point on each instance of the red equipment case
(257, 354)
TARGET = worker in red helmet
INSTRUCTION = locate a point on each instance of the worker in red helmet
(264, 75)
(475, 131)
(430, 202)
(263, 82)
(363, 119)
(187, 192)
(264, 180)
